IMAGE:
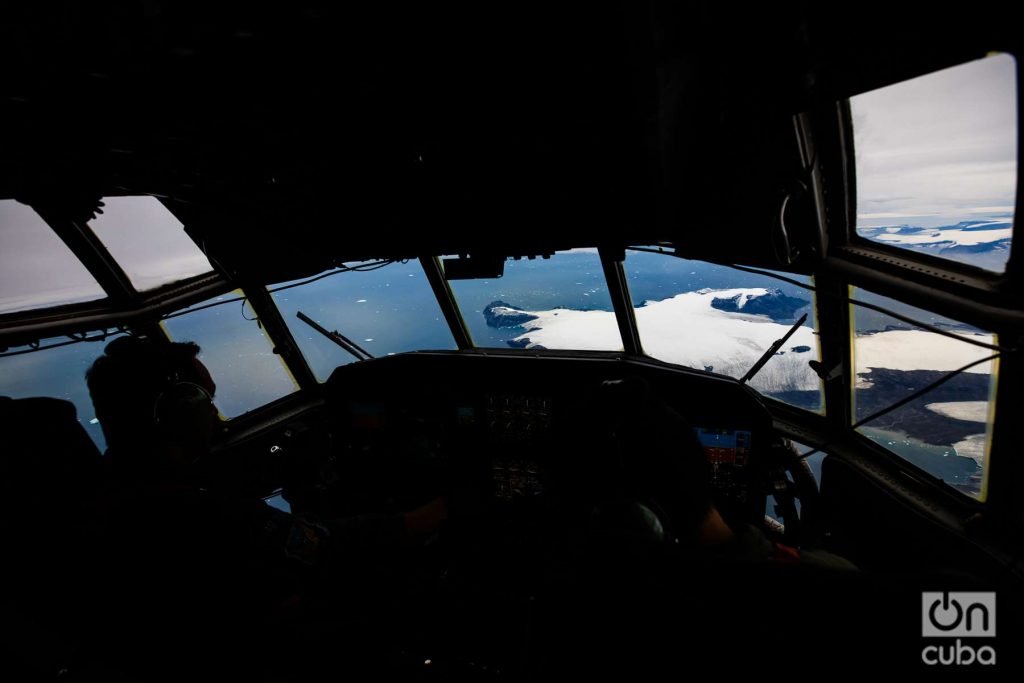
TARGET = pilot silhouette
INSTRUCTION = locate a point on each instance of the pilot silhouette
(190, 561)
(662, 480)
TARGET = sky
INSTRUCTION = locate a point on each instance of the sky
(938, 149)
(36, 268)
(148, 241)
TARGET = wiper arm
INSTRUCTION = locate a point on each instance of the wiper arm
(338, 338)
(771, 350)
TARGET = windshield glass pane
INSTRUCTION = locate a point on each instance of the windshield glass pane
(36, 268)
(720, 319)
(385, 308)
(557, 303)
(944, 432)
(57, 369)
(936, 162)
(237, 352)
(148, 242)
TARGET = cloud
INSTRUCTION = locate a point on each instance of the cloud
(36, 268)
(938, 149)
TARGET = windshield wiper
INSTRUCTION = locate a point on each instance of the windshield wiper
(338, 338)
(771, 350)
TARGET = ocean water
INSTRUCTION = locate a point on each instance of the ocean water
(961, 473)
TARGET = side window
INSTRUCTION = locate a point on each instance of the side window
(721, 319)
(936, 160)
(561, 302)
(56, 368)
(385, 308)
(236, 350)
(945, 431)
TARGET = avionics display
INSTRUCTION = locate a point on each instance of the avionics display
(728, 451)
(725, 446)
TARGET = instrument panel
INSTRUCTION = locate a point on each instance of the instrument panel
(729, 452)
(512, 425)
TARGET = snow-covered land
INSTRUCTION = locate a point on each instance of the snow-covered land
(981, 243)
(686, 329)
(970, 411)
(965, 235)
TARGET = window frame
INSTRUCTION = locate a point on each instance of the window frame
(985, 299)
(990, 425)
(263, 302)
(860, 248)
(777, 405)
(964, 292)
(610, 260)
(264, 332)
(123, 305)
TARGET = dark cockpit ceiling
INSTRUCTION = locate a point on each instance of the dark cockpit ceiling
(292, 138)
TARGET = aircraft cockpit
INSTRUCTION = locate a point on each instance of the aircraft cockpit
(683, 340)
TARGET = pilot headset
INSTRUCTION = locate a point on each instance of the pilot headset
(179, 405)
(156, 373)
(183, 402)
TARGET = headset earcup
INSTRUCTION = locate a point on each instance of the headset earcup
(181, 408)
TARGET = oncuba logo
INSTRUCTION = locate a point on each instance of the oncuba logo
(952, 614)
